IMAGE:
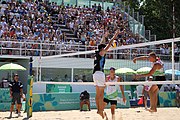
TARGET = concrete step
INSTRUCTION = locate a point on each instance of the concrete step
(70, 35)
(66, 30)
(73, 38)
(60, 25)
(54, 21)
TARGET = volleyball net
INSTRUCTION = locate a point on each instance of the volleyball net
(120, 57)
(145, 45)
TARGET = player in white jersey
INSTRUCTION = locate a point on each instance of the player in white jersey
(157, 66)
(112, 92)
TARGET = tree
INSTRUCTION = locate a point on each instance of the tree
(158, 16)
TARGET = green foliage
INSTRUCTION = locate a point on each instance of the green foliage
(158, 16)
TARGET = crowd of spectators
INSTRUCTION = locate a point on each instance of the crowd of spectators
(38, 22)
(29, 21)
(32, 21)
(90, 24)
(165, 51)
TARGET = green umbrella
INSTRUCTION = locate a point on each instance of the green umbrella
(12, 66)
(125, 71)
(145, 70)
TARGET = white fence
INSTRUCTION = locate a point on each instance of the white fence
(39, 48)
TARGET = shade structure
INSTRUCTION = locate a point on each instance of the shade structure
(177, 72)
(12, 66)
(125, 71)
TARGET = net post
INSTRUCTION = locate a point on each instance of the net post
(29, 99)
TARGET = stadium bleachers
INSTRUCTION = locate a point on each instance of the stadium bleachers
(27, 28)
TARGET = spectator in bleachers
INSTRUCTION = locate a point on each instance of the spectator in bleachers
(66, 78)
(176, 53)
(1, 31)
(167, 49)
(130, 40)
(76, 77)
(176, 49)
(83, 38)
(162, 49)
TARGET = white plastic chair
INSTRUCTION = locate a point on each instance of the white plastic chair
(129, 93)
(139, 89)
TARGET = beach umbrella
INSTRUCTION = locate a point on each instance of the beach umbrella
(145, 70)
(125, 71)
(177, 72)
(12, 67)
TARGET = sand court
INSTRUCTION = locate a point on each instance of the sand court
(121, 114)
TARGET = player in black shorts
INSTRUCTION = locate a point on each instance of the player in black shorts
(16, 93)
(112, 92)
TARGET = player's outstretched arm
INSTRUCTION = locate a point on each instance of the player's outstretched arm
(103, 52)
(140, 58)
(111, 41)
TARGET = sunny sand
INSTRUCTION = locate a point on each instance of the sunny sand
(121, 114)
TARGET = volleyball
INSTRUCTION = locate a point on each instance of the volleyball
(114, 44)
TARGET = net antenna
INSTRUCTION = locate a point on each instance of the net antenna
(117, 48)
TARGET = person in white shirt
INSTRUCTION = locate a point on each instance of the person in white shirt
(112, 92)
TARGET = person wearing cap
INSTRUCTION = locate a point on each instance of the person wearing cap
(84, 99)
(145, 90)
(98, 73)
(16, 93)
(112, 91)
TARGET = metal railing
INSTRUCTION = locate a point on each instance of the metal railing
(39, 48)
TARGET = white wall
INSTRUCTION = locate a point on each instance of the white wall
(39, 87)
(80, 88)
